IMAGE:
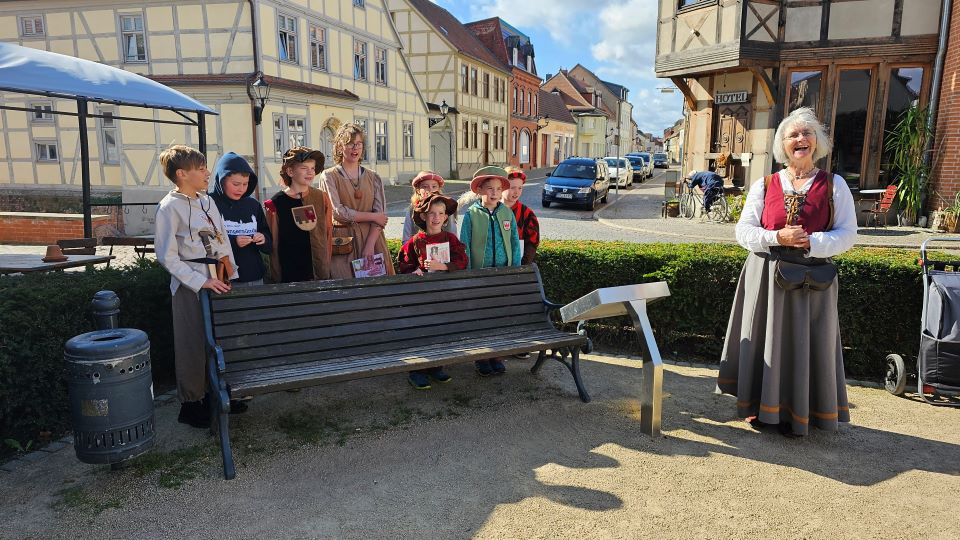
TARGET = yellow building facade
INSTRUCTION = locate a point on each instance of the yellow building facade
(453, 67)
(327, 63)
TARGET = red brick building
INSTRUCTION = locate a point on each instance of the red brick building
(514, 49)
(945, 176)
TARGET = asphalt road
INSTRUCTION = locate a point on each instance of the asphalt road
(558, 222)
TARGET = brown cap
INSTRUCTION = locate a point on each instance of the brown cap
(425, 203)
(299, 154)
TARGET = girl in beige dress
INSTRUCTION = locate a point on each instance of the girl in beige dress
(358, 203)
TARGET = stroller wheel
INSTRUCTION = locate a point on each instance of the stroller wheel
(896, 380)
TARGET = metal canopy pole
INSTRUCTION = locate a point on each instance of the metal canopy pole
(202, 128)
(85, 167)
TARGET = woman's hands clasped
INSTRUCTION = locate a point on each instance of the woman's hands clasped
(793, 236)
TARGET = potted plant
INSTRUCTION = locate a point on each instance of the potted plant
(906, 143)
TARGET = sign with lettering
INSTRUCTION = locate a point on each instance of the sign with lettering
(723, 98)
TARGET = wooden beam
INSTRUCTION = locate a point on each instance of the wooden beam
(769, 87)
(681, 83)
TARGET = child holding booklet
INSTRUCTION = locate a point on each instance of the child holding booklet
(431, 250)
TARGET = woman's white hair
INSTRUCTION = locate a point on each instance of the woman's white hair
(804, 117)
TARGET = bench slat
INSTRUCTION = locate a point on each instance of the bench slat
(387, 338)
(362, 328)
(313, 292)
(413, 310)
(267, 313)
(336, 354)
(285, 377)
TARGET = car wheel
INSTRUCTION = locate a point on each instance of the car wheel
(604, 199)
(545, 204)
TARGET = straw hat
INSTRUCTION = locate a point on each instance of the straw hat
(485, 173)
(423, 176)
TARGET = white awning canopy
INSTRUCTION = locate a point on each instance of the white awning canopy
(33, 71)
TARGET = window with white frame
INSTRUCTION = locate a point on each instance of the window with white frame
(381, 126)
(287, 37)
(466, 134)
(523, 99)
(109, 147)
(473, 81)
(133, 40)
(513, 142)
(362, 122)
(288, 131)
(473, 140)
(32, 26)
(524, 147)
(380, 66)
(41, 112)
(516, 93)
(318, 48)
(46, 151)
(486, 85)
(464, 80)
(408, 139)
(359, 60)
(529, 110)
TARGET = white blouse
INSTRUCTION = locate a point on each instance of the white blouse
(752, 236)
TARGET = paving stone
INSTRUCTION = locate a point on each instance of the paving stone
(13, 465)
(33, 456)
(56, 446)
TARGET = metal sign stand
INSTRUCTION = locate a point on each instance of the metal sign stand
(632, 300)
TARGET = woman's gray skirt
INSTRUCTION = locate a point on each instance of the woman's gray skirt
(782, 356)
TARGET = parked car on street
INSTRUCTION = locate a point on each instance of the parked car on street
(582, 181)
(642, 165)
(620, 171)
(660, 160)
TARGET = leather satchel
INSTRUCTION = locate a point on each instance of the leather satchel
(793, 271)
(342, 242)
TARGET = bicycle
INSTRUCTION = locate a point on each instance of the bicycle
(691, 200)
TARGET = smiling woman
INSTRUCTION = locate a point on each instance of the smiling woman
(782, 356)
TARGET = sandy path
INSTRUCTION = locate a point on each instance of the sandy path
(514, 457)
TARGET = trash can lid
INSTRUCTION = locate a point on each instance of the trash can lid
(106, 344)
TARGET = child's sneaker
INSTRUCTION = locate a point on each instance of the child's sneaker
(497, 366)
(418, 380)
(438, 374)
(483, 368)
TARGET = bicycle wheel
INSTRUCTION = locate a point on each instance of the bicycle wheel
(718, 210)
(686, 205)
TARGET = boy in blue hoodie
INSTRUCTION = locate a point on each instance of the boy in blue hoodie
(233, 182)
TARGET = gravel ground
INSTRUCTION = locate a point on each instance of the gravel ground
(511, 457)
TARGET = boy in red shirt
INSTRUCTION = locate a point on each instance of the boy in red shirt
(528, 227)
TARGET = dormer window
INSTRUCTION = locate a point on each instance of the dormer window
(515, 56)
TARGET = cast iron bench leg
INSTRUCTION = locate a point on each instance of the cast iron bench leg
(540, 359)
(573, 365)
(220, 420)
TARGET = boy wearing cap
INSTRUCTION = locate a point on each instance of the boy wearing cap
(528, 226)
(423, 184)
(422, 253)
(489, 231)
(301, 220)
(190, 238)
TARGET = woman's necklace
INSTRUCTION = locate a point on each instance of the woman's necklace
(355, 183)
(802, 176)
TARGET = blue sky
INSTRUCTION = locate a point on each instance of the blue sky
(614, 39)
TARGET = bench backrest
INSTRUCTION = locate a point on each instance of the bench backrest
(78, 246)
(310, 321)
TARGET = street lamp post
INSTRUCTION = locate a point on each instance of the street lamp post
(444, 109)
(259, 91)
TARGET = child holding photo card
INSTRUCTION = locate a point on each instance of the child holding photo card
(432, 250)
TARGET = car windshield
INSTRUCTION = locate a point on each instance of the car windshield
(635, 160)
(575, 170)
(660, 156)
(613, 162)
(645, 158)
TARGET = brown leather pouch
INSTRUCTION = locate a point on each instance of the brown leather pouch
(342, 240)
(224, 269)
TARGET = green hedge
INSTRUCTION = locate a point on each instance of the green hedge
(880, 302)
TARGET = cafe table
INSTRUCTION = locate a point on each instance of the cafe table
(25, 263)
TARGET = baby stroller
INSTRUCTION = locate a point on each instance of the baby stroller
(938, 363)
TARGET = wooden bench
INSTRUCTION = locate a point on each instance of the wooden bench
(280, 337)
(141, 245)
(78, 246)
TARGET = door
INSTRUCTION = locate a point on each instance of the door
(731, 138)
(853, 141)
(326, 143)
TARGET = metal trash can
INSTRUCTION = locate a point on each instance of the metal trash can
(111, 394)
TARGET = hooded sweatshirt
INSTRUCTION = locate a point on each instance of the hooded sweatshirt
(178, 242)
(242, 217)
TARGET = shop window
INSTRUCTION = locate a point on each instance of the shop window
(805, 90)
(905, 87)
(850, 123)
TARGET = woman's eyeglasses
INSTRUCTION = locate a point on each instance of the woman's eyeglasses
(355, 145)
(805, 134)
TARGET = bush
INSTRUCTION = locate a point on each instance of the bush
(880, 302)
